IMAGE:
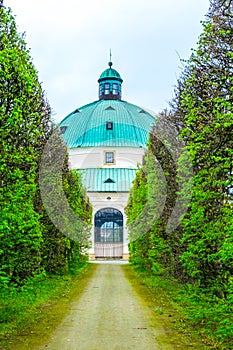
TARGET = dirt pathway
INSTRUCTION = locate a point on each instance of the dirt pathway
(110, 316)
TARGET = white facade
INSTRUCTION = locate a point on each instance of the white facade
(124, 157)
(118, 201)
(94, 157)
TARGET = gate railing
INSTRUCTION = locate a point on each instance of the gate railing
(108, 250)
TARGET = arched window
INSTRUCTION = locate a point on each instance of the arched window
(108, 225)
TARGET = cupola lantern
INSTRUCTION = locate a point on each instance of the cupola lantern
(110, 84)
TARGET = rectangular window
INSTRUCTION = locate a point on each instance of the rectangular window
(106, 89)
(115, 89)
(109, 125)
(109, 157)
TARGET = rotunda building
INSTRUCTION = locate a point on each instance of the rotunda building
(107, 140)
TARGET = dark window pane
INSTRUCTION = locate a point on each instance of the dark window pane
(109, 125)
(109, 157)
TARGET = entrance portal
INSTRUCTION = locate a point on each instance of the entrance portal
(108, 241)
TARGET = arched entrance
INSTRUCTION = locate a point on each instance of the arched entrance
(108, 240)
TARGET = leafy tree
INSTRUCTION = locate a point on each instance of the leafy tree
(204, 103)
(79, 202)
(29, 242)
(24, 122)
(65, 210)
(159, 183)
(138, 246)
(200, 249)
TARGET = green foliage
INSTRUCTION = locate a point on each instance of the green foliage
(199, 251)
(204, 101)
(63, 201)
(193, 311)
(134, 211)
(24, 115)
(200, 248)
(30, 244)
(20, 234)
(79, 202)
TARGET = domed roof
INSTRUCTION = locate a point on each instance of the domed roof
(110, 73)
(87, 125)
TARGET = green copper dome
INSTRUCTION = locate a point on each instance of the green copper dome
(110, 73)
(108, 122)
(113, 123)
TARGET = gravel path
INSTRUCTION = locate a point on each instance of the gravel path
(109, 316)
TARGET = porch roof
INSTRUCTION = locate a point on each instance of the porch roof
(108, 179)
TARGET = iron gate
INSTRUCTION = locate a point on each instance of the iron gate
(108, 240)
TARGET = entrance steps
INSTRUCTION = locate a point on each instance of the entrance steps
(108, 258)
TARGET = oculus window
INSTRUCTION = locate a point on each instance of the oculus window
(109, 157)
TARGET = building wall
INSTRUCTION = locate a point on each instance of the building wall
(118, 201)
(126, 157)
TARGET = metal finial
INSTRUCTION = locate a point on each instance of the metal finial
(110, 62)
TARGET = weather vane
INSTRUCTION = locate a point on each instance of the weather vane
(110, 62)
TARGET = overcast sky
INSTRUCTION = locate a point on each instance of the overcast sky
(70, 42)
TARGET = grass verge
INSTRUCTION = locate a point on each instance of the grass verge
(28, 317)
(197, 316)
